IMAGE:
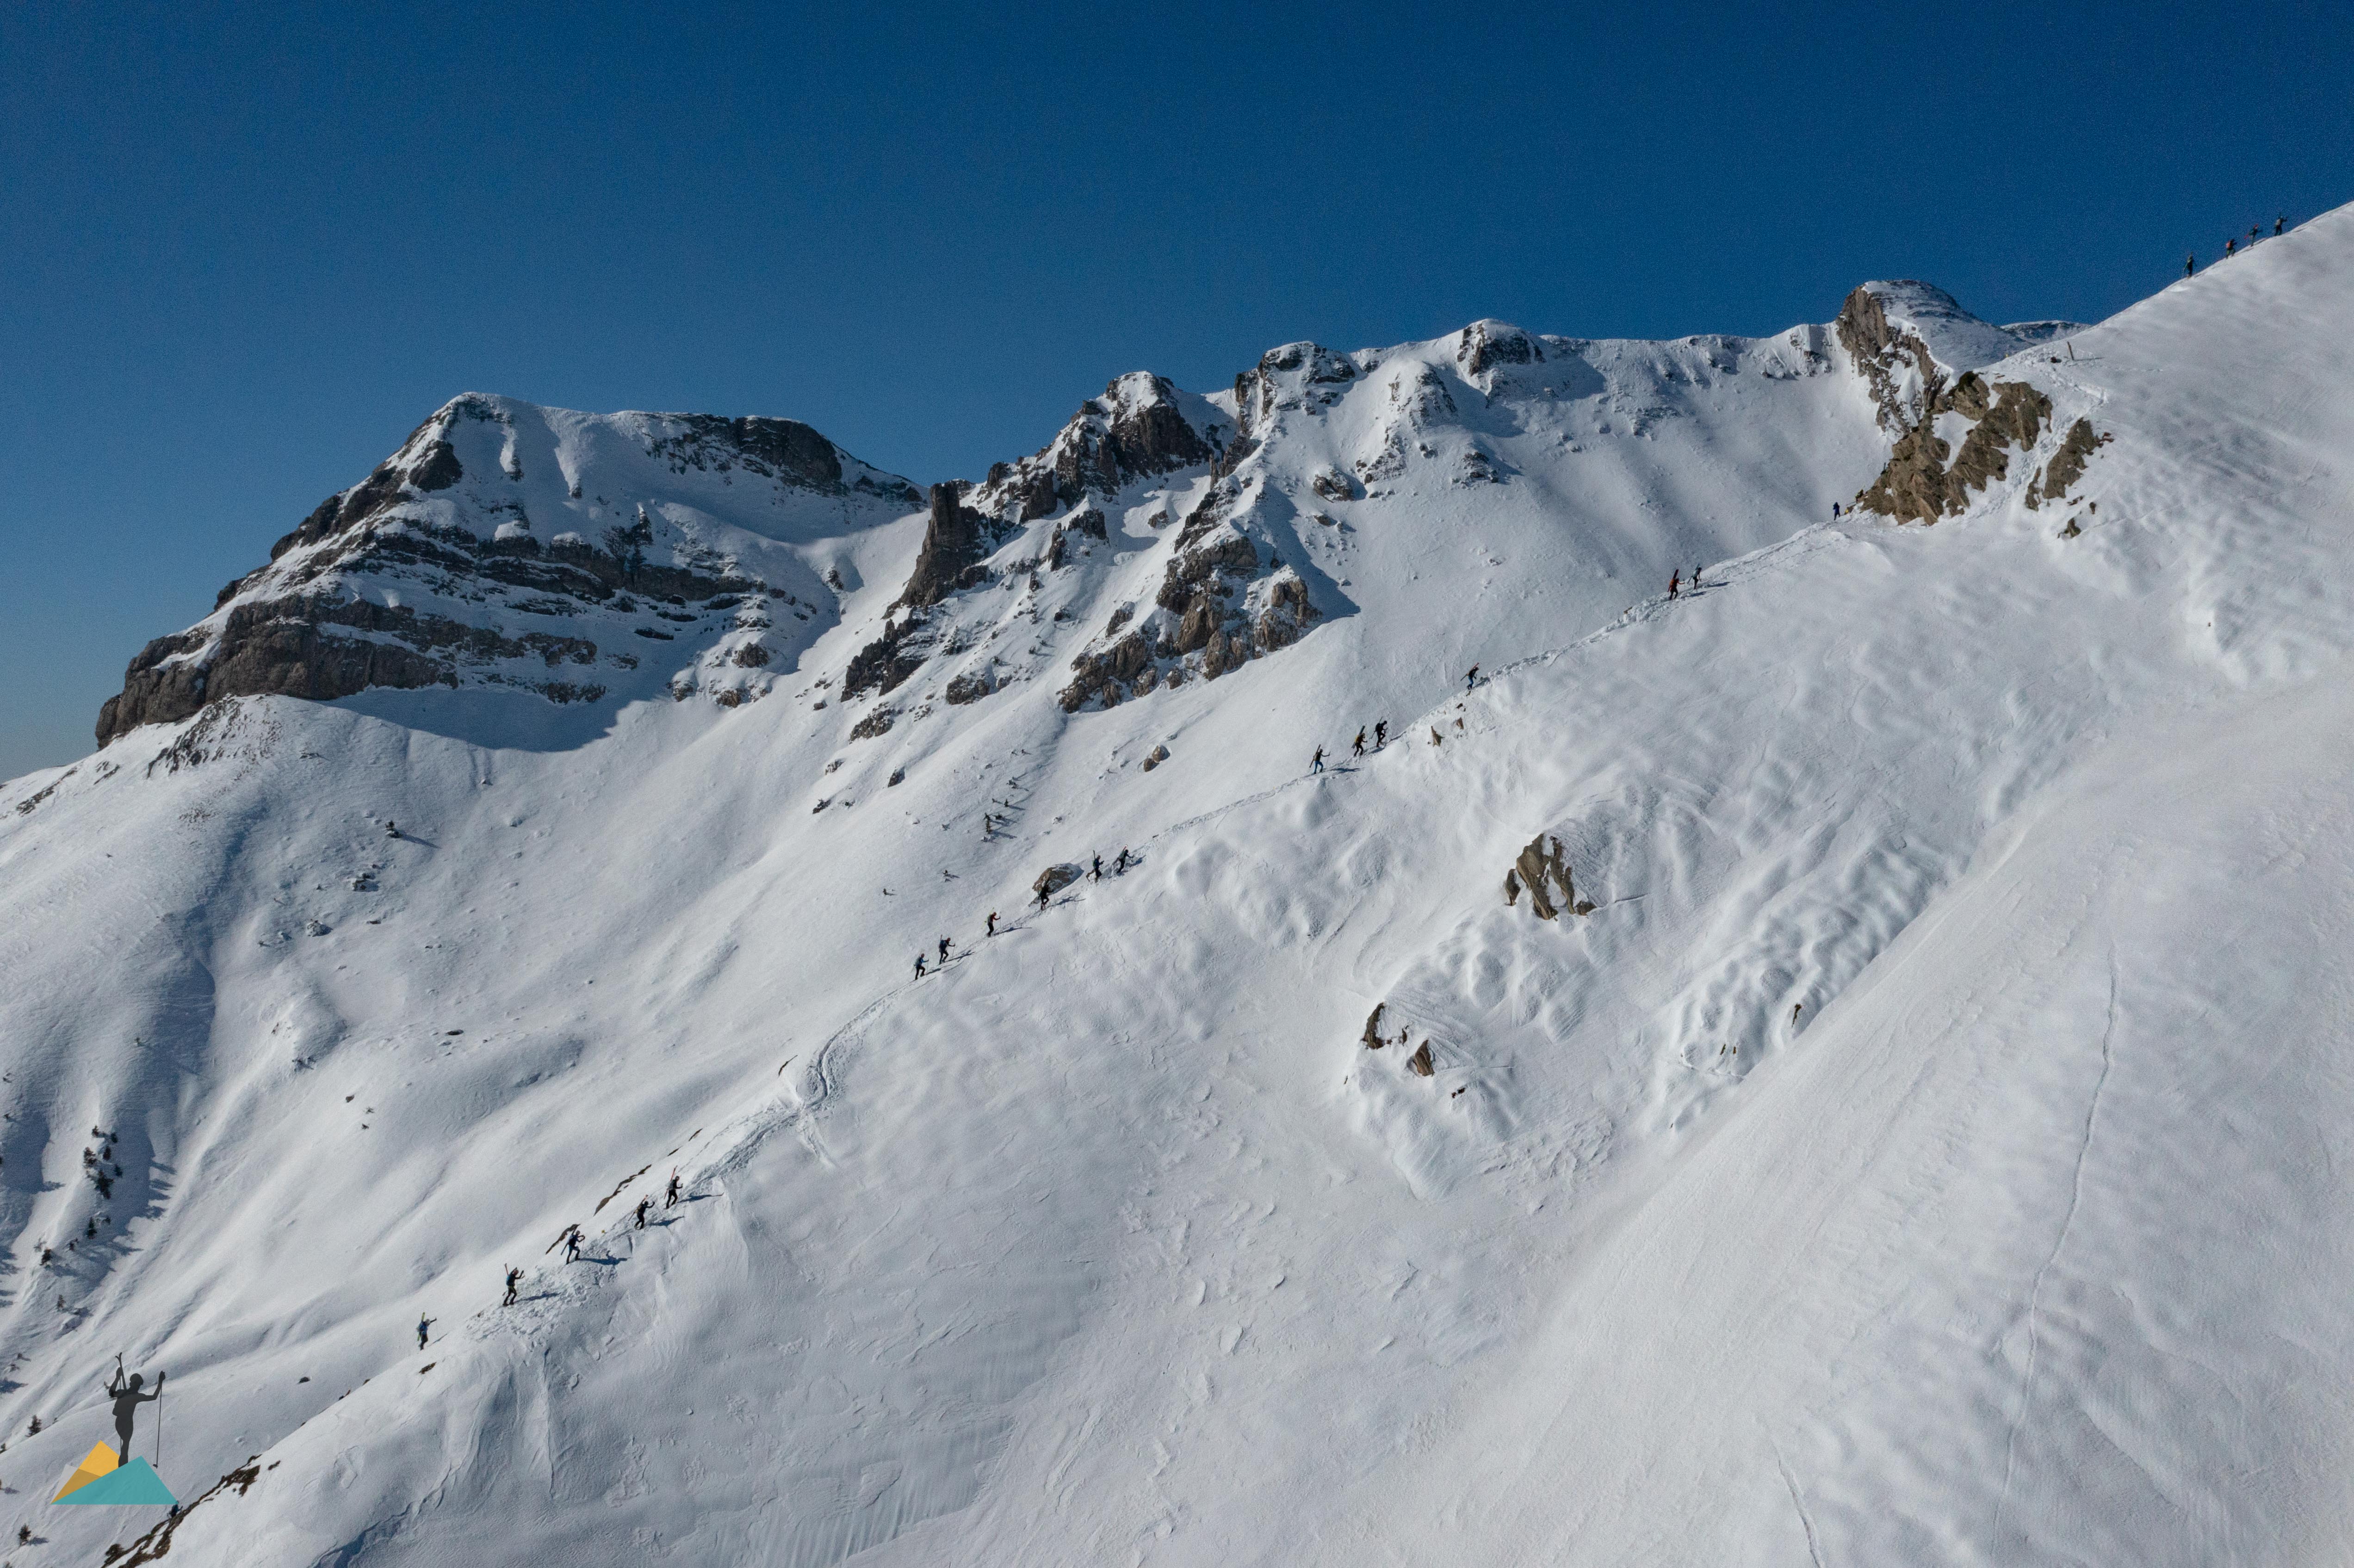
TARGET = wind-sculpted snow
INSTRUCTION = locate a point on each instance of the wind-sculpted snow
(1109, 1241)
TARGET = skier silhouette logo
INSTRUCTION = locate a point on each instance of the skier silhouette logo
(103, 1477)
(127, 1401)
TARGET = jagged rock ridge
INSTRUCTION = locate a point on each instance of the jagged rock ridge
(534, 549)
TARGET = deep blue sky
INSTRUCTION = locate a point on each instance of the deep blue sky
(244, 251)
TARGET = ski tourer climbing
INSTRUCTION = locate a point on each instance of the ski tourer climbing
(1045, 892)
(1471, 678)
(1120, 866)
(1095, 871)
(1358, 745)
(423, 1324)
(514, 1276)
(643, 1205)
(572, 1245)
(1316, 763)
(670, 1194)
(919, 966)
(944, 952)
(127, 1401)
(1675, 579)
(992, 923)
(2190, 264)
(1381, 734)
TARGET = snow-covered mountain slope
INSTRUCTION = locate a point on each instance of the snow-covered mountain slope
(510, 551)
(1924, 1148)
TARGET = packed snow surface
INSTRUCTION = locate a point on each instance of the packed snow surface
(1926, 1149)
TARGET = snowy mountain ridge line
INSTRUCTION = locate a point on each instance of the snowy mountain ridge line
(1936, 1105)
(434, 572)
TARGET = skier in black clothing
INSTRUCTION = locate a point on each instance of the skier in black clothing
(1094, 872)
(1471, 678)
(1381, 734)
(127, 1401)
(643, 1205)
(422, 1324)
(919, 966)
(512, 1275)
(572, 1245)
(1120, 866)
(992, 922)
(2278, 224)
(670, 1196)
(1045, 892)
(944, 952)
(1358, 745)
(1316, 763)
(2231, 246)
(2189, 265)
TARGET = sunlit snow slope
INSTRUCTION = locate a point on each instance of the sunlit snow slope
(1926, 1149)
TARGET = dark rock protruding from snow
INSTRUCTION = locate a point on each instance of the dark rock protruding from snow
(1487, 343)
(1419, 1064)
(1541, 869)
(2067, 465)
(953, 548)
(457, 562)
(286, 648)
(1141, 428)
(1896, 365)
(1917, 485)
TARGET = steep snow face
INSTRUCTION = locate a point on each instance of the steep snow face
(580, 559)
(1866, 1177)
(1412, 504)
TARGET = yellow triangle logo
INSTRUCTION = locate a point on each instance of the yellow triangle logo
(101, 1462)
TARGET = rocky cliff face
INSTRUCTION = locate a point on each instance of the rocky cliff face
(607, 557)
(1909, 340)
(535, 550)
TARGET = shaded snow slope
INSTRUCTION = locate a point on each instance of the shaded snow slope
(2018, 1241)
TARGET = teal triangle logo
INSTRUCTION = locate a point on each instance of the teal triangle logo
(135, 1482)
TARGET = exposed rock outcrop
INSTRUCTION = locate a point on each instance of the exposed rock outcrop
(885, 664)
(1916, 485)
(1541, 870)
(1897, 365)
(285, 648)
(450, 564)
(2052, 482)
(1487, 343)
(1141, 428)
(1055, 878)
(954, 543)
(1306, 375)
